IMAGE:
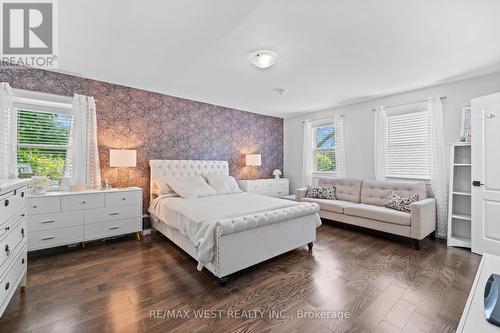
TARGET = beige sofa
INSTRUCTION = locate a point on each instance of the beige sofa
(361, 203)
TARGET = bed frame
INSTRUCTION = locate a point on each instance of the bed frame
(239, 250)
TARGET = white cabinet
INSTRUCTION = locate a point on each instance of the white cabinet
(13, 234)
(62, 218)
(275, 187)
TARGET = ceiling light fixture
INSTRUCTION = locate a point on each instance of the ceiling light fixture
(263, 59)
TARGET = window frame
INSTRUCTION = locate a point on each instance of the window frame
(314, 126)
(24, 100)
(388, 175)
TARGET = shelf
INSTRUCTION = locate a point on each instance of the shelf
(462, 193)
(462, 164)
(461, 217)
(461, 241)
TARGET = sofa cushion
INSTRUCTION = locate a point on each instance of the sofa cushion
(326, 191)
(378, 213)
(346, 189)
(375, 192)
(397, 202)
(336, 206)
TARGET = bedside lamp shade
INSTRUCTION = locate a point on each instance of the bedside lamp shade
(253, 160)
(122, 158)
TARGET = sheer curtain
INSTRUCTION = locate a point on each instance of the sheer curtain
(380, 133)
(437, 165)
(82, 157)
(307, 158)
(8, 133)
(339, 145)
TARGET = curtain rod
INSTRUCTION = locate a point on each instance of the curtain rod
(322, 119)
(416, 102)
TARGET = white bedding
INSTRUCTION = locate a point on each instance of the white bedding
(197, 218)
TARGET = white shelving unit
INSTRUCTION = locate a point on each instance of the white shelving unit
(459, 215)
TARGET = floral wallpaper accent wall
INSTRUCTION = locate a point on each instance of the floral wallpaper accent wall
(164, 127)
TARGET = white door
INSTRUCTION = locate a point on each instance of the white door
(486, 174)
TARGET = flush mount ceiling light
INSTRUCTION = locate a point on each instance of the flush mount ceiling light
(263, 59)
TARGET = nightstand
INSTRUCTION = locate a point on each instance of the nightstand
(275, 187)
(63, 218)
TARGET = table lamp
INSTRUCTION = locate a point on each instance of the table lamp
(253, 160)
(122, 159)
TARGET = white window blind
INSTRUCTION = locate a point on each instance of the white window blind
(42, 141)
(407, 146)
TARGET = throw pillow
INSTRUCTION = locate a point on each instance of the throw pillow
(223, 184)
(321, 192)
(397, 202)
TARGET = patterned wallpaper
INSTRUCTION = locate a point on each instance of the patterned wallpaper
(164, 127)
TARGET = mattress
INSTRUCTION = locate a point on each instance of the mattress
(198, 219)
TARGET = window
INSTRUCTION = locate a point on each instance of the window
(407, 145)
(42, 141)
(324, 158)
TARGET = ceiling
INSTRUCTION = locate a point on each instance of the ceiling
(331, 52)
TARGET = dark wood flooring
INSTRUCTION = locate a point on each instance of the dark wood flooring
(385, 286)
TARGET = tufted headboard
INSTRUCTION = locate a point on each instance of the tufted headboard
(164, 168)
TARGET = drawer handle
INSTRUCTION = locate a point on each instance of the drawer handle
(6, 202)
(114, 227)
(22, 194)
(7, 228)
(23, 215)
(114, 213)
(22, 261)
(7, 249)
(48, 237)
(84, 202)
(123, 199)
(22, 232)
(35, 206)
(48, 221)
(7, 285)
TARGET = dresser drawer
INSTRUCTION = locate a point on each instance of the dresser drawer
(11, 203)
(7, 226)
(54, 237)
(42, 205)
(12, 240)
(15, 273)
(49, 221)
(112, 213)
(123, 198)
(112, 228)
(82, 201)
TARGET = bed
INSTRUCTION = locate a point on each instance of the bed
(227, 233)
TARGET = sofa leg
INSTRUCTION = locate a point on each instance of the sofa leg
(416, 244)
(223, 281)
(310, 246)
(433, 235)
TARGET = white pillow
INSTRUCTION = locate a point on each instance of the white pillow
(161, 185)
(190, 186)
(223, 184)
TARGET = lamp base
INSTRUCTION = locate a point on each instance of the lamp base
(123, 177)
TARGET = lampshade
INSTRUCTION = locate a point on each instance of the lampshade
(122, 158)
(253, 159)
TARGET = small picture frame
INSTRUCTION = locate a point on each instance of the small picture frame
(24, 170)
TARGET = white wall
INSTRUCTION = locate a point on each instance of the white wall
(359, 124)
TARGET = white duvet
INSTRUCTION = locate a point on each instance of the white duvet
(197, 218)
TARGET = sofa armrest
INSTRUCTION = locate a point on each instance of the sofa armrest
(300, 193)
(423, 218)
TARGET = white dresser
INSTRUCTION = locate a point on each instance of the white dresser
(61, 218)
(473, 318)
(275, 187)
(13, 259)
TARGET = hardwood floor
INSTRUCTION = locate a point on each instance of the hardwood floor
(384, 286)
